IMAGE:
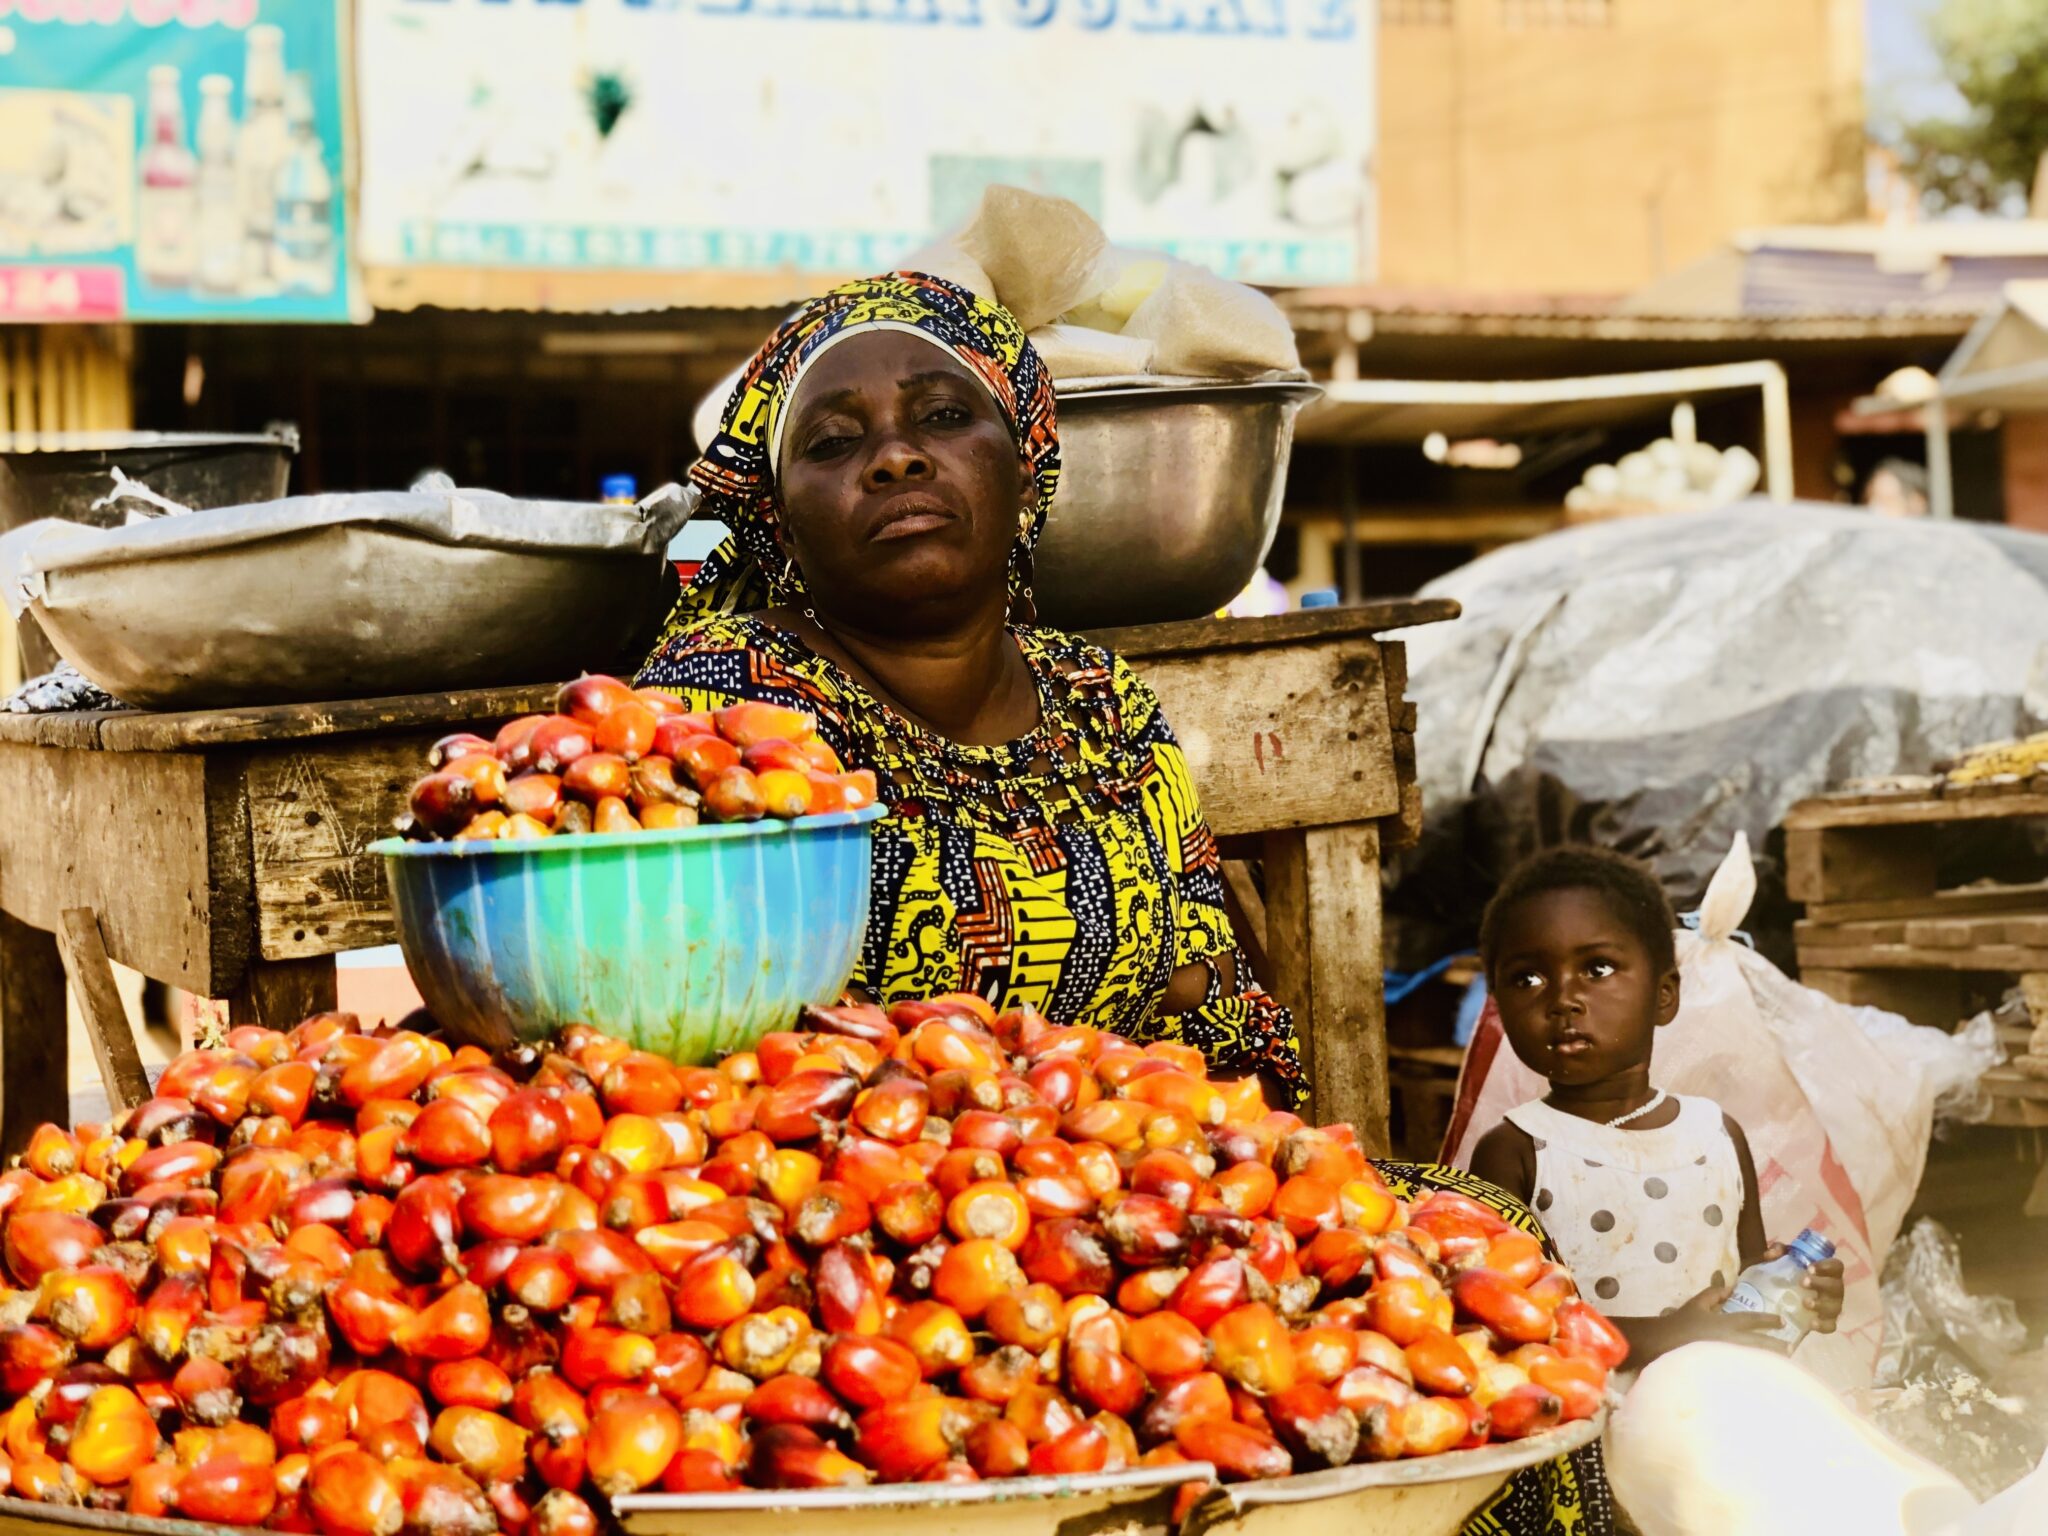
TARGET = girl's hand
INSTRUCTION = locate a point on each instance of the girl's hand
(1824, 1287)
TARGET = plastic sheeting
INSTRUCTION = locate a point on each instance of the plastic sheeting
(1661, 683)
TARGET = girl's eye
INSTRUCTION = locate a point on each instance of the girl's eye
(1600, 970)
(1528, 981)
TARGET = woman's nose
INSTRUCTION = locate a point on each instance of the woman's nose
(897, 458)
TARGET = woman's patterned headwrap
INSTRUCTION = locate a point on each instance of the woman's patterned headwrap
(748, 571)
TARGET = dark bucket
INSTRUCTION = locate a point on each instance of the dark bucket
(194, 469)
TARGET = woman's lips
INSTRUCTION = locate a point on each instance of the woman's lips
(910, 517)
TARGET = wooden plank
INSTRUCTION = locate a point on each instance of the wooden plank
(1859, 864)
(124, 834)
(279, 994)
(1936, 932)
(1894, 957)
(1287, 946)
(1394, 663)
(2004, 1083)
(142, 731)
(1960, 901)
(1933, 998)
(34, 1034)
(1449, 1057)
(1814, 815)
(1204, 637)
(106, 1017)
(1295, 736)
(313, 809)
(1323, 927)
(1247, 911)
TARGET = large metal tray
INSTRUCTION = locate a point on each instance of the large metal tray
(1134, 1503)
(1429, 1496)
(335, 597)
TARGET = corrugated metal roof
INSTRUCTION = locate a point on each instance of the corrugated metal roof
(1783, 281)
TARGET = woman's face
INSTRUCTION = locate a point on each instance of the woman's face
(902, 489)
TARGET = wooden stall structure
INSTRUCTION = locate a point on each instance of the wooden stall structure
(223, 851)
(1880, 929)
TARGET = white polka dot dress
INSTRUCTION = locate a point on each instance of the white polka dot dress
(1645, 1219)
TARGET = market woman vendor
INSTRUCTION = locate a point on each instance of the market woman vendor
(886, 464)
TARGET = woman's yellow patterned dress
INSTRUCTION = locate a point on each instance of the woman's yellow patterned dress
(1069, 870)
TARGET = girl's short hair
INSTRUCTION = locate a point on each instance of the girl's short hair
(1631, 892)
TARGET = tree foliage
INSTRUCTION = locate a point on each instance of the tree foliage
(1995, 52)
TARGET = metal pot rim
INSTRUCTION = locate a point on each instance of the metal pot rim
(1299, 391)
(26, 443)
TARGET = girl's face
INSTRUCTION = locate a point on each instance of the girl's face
(1579, 996)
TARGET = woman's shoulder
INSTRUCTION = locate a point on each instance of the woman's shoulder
(1094, 669)
(739, 654)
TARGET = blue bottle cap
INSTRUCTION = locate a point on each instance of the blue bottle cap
(1321, 597)
(620, 488)
(1810, 1246)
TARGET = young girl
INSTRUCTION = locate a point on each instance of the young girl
(1650, 1198)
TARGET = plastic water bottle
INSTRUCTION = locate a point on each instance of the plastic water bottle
(1774, 1287)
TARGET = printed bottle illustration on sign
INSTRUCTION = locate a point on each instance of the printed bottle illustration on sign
(220, 213)
(303, 203)
(168, 205)
(265, 141)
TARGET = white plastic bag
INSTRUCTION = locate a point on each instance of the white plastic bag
(1077, 352)
(1838, 1117)
(1204, 326)
(1038, 255)
(1722, 1440)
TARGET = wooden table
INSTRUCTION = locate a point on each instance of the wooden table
(222, 851)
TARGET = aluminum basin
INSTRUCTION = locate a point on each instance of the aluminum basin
(342, 597)
(1169, 498)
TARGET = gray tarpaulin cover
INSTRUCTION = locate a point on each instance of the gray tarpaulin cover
(1658, 684)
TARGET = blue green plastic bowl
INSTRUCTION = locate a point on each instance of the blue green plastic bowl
(690, 943)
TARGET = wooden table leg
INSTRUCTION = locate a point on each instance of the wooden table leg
(1323, 940)
(84, 950)
(279, 993)
(34, 1034)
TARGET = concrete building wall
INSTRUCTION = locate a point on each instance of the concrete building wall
(1588, 146)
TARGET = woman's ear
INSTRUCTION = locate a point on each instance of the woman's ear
(1667, 997)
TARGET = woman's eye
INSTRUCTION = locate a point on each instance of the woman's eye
(826, 444)
(948, 415)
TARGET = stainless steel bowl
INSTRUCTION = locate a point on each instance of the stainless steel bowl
(343, 597)
(1169, 497)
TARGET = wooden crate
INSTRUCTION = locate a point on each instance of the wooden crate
(1878, 928)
